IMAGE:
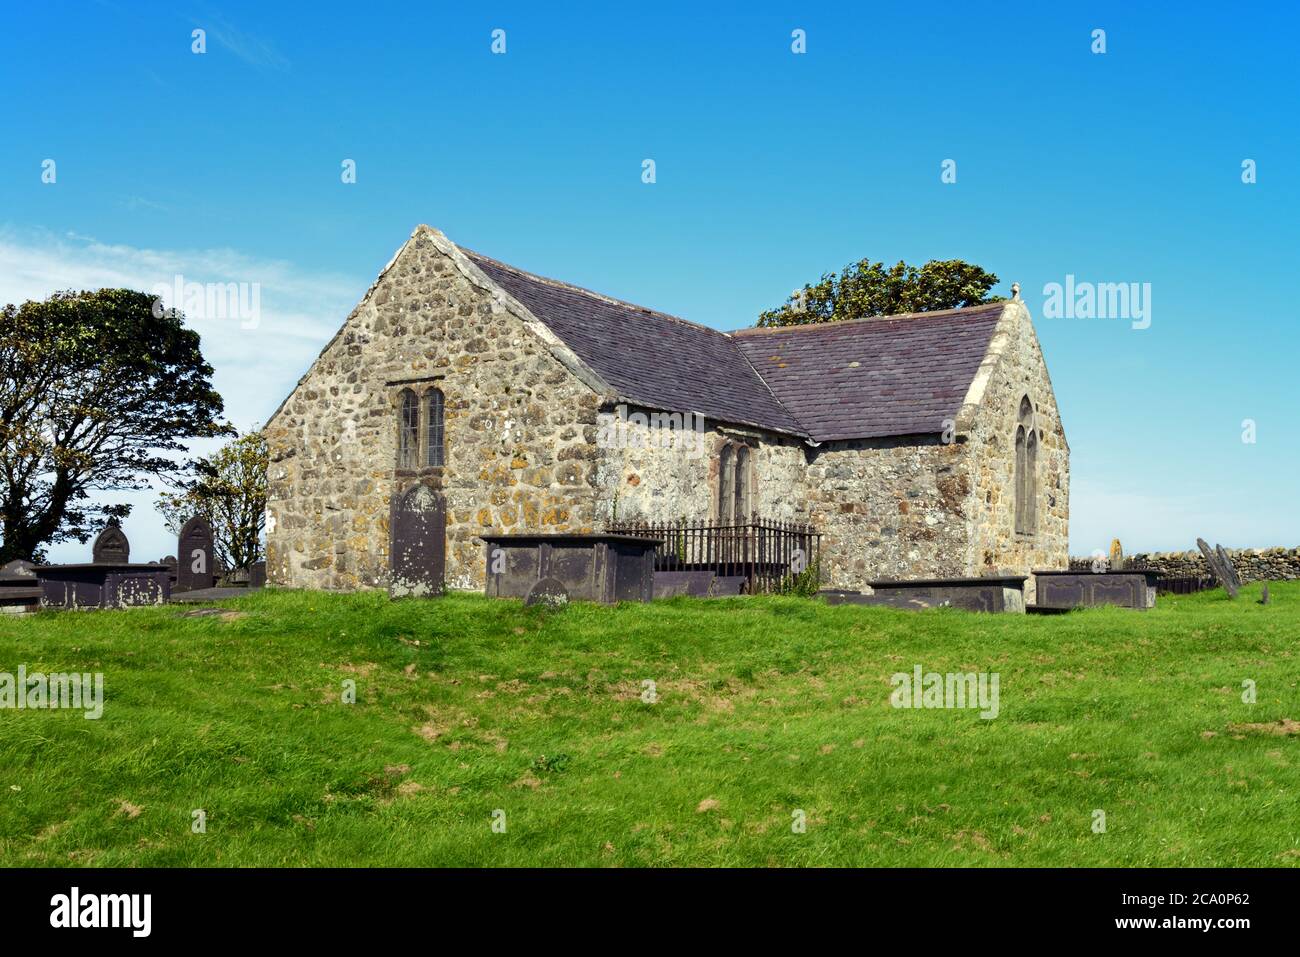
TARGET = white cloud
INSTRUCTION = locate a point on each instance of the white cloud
(254, 367)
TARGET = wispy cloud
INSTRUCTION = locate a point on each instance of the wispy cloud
(252, 49)
(254, 368)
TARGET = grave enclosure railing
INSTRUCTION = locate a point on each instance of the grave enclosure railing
(765, 552)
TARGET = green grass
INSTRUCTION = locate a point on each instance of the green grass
(765, 706)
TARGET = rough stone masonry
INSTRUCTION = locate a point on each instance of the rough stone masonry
(927, 445)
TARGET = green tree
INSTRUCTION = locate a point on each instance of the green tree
(228, 489)
(95, 391)
(867, 289)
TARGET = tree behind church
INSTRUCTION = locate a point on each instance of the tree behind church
(95, 390)
(866, 289)
(228, 489)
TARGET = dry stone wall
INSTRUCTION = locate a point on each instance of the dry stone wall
(1252, 564)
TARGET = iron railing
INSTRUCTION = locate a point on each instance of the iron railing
(765, 552)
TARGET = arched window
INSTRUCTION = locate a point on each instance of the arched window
(408, 430)
(1026, 470)
(742, 484)
(726, 483)
(434, 454)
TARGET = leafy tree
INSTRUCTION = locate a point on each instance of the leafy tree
(95, 390)
(866, 289)
(227, 488)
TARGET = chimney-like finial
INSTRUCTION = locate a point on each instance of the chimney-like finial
(1015, 291)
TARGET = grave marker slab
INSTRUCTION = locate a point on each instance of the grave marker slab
(418, 543)
(549, 592)
(1226, 562)
(196, 565)
(1219, 572)
(111, 547)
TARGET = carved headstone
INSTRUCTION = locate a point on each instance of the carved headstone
(257, 575)
(549, 592)
(196, 566)
(111, 546)
(1219, 572)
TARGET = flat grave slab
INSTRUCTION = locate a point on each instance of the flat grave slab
(1002, 593)
(672, 584)
(199, 595)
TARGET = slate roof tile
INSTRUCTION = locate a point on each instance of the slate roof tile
(864, 378)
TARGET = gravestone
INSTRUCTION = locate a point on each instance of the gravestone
(19, 570)
(549, 592)
(1216, 568)
(1116, 555)
(257, 575)
(418, 536)
(196, 566)
(111, 546)
(1263, 598)
(1226, 562)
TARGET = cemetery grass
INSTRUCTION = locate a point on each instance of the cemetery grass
(768, 706)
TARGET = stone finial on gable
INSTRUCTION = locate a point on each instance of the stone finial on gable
(1015, 292)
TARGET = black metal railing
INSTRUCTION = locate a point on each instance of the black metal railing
(767, 553)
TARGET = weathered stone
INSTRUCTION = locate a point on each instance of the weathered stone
(196, 565)
(111, 546)
(549, 592)
(523, 450)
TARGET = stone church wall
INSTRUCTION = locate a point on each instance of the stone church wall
(520, 431)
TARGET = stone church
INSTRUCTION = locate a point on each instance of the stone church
(920, 446)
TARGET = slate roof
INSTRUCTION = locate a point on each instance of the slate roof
(651, 358)
(911, 372)
(870, 378)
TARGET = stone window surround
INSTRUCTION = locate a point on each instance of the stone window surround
(420, 387)
(735, 443)
(1025, 474)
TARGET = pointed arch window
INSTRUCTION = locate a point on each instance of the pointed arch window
(741, 497)
(434, 447)
(408, 430)
(726, 483)
(1026, 473)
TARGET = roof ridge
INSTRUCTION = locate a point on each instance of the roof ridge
(583, 290)
(932, 314)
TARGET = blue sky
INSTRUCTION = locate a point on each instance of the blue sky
(771, 168)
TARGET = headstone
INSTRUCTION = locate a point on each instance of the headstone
(549, 592)
(1263, 598)
(257, 575)
(18, 570)
(1226, 562)
(1116, 555)
(1221, 573)
(418, 543)
(196, 566)
(111, 546)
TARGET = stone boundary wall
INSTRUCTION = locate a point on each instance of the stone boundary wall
(1252, 564)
